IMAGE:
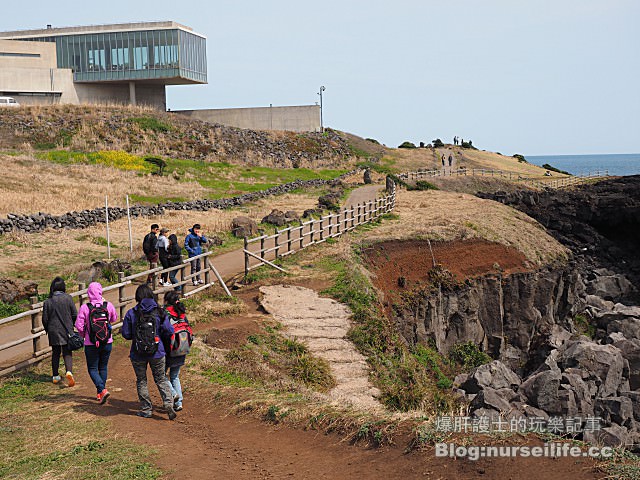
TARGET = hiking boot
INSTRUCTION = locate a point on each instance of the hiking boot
(56, 379)
(144, 414)
(171, 412)
(70, 380)
(103, 395)
(177, 408)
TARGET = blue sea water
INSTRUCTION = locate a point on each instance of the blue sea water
(616, 164)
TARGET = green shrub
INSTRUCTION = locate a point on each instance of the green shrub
(372, 140)
(520, 158)
(583, 326)
(424, 185)
(407, 145)
(554, 169)
(468, 355)
(437, 143)
(9, 309)
(150, 123)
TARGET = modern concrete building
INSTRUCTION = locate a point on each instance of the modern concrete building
(122, 63)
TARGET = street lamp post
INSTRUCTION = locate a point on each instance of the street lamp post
(322, 89)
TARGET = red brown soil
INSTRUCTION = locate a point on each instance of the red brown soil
(413, 260)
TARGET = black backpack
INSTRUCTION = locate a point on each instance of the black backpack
(99, 325)
(146, 338)
(149, 244)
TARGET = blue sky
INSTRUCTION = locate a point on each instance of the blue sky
(515, 76)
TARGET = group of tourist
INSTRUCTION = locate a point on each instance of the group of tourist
(158, 246)
(160, 339)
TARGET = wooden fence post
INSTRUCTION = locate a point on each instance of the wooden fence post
(301, 234)
(81, 286)
(207, 270)
(121, 294)
(288, 239)
(276, 243)
(246, 256)
(262, 246)
(321, 228)
(36, 327)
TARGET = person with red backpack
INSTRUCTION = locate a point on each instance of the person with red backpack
(94, 325)
(179, 344)
(148, 327)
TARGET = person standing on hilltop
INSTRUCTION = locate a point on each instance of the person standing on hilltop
(58, 316)
(450, 160)
(150, 249)
(193, 244)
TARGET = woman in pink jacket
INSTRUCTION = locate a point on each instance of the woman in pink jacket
(94, 324)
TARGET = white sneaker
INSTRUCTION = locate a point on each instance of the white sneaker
(167, 284)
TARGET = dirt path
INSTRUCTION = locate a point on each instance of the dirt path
(322, 324)
(216, 445)
(446, 152)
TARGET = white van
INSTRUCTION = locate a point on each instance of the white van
(8, 102)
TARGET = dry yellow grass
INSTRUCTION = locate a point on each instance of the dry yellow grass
(450, 215)
(30, 185)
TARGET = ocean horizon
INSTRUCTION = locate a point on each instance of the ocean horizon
(615, 163)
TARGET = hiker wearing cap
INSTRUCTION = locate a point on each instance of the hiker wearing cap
(150, 249)
(163, 254)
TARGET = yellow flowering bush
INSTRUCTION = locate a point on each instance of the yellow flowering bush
(119, 159)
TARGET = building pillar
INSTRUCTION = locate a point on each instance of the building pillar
(132, 93)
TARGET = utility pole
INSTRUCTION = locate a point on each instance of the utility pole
(322, 89)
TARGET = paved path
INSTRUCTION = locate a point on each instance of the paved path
(322, 324)
(446, 152)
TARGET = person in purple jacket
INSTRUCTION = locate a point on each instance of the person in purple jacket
(147, 310)
(96, 352)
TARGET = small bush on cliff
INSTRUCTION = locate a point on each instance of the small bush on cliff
(424, 185)
(407, 145)
(520, 158)
(437, 143)
(583, 326)
(468, 355)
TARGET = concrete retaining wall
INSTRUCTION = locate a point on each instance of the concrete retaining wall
(304, 118)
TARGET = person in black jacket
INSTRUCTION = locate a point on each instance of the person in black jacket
(58, 316)
(150, 249)
(174, 258)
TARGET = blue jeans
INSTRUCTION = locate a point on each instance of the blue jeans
(174, 380)
(97, 361)
(174, 279)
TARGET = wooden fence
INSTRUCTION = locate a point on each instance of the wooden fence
(536, 182)
(258, 250)
(41, 351)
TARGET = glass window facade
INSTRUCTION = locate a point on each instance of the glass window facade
(135, 55)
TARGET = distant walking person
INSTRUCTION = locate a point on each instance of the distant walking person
(455, 140)
(179, 346)
(442, 158)
(150, 249)
(94, 324)
(450, 160)
(174, 257)
(193, 243)
(149, 328)
(58, 316)
(163, 246)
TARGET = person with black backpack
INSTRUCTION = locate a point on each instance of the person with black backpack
(179, 344)
(58, 315)
(150, 249)
(148, 327)
(94, 325)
